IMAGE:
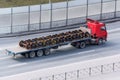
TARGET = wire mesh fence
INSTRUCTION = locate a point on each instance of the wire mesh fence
(54, 15)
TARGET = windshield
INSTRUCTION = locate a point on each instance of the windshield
(103, 28)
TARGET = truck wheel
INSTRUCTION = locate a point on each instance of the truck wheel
(39, 53)
(77, 45)
(73, 44)
(23, 54)
(56, 47)
(47, 52)
(82, 45)
(26, 55)
(100, 41)
(31, 54)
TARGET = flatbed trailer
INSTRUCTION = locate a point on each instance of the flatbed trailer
(19, 50)
(45, 50)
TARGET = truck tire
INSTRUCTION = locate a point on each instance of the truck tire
(73, 44)
(82, 45)
(23, 55)
(26, 55)
(100, 41)
(39, 53)
(56, 47)
(77, 45)
(31, 54)
(47, 52)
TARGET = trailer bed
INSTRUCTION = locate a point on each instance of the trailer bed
(19, 50)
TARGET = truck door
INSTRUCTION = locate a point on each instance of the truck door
(103, 32)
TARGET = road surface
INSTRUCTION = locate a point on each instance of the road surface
(63, 55)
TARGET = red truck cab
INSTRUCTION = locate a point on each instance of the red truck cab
(98, 30)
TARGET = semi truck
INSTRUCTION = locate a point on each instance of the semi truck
(93, 33)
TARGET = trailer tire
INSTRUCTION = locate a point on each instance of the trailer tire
(23, 54)
(47, 52)
(56, 47)
(31, 54)
(39, 53)
(73, 44)
(77, 45)
(82, 44)
(26, 55)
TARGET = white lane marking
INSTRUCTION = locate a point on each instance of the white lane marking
(117, 29)
(83, 52)
(86, 52)
(4, 58)
(2, 55)
(16, 65)
(22, 64)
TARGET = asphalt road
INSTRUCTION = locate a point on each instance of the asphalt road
(63, 55)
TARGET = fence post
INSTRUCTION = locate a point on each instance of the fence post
(101, 69)
(11, 20)
(53, 77)
(113, 67)
(101, 9)
(51, 7)
(40, 79)
(65, 75)
(115, 8)
(40, 17)
(28, 18)
(78, 73)
(90, 71)
(67, 6)
(87, 9)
